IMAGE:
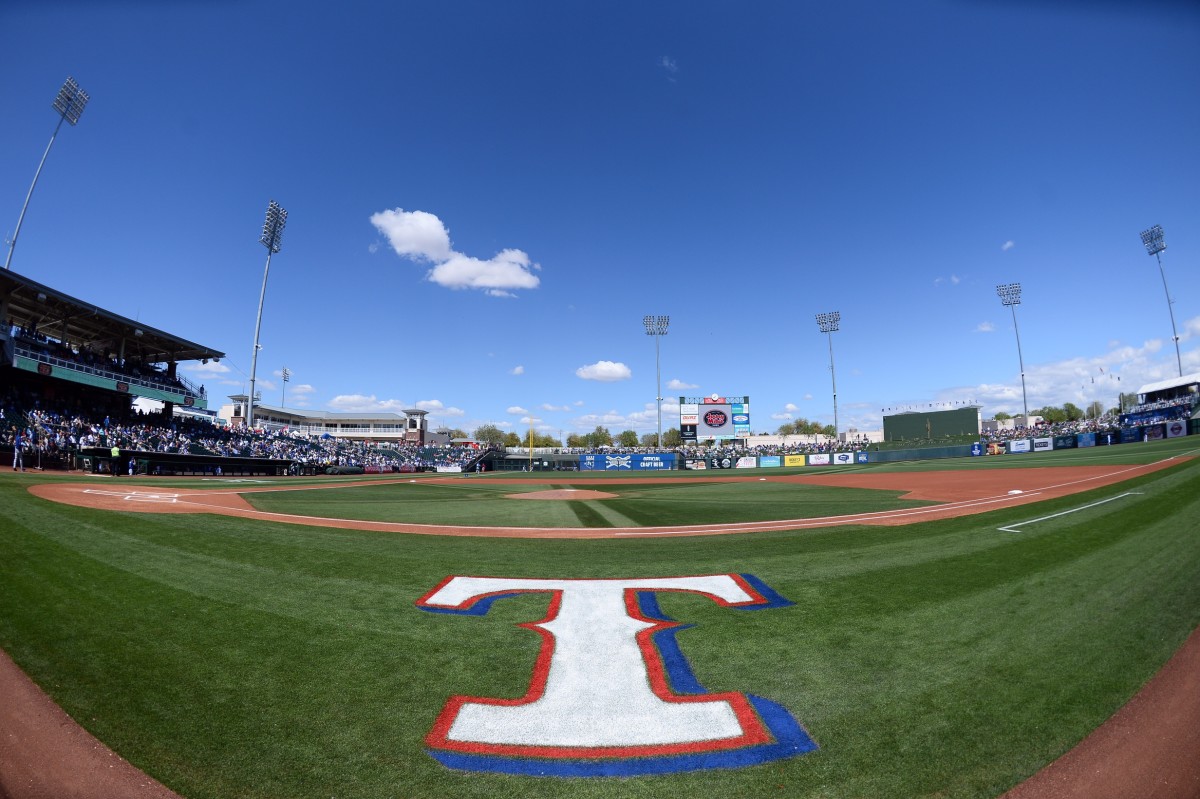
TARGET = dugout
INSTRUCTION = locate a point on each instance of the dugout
(933, 424)
(97, 460)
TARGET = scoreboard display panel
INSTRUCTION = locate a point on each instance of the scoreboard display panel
(714, 418)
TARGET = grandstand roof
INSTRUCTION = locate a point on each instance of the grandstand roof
(34, 305)
(1173, 382)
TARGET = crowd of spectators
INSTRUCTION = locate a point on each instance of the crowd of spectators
(1161, 411)
(52, 436)
(38, 344)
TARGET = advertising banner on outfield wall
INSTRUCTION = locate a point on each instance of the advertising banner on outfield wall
(843, 458)
(1176, 428)
(1086, 439)
(861, 457)
(770, 461)
(746, 462)
(695, 463)
(793, 460)
(1130, 434)
(608, 463)
(1019, 445)
(818, 459)
(1043, 444)
(1065, 441)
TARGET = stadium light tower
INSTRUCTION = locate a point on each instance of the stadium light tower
(1153, 239)
(286, 374)
(657, 326)
(272, 238)
(69, 104)
(1010, 295)
(828, 324)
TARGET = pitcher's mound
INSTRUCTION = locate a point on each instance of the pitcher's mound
(563, 493)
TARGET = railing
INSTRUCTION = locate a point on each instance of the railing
(108, 374)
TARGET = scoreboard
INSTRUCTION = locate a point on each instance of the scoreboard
(713, 418)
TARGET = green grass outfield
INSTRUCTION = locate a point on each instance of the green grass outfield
(236, 658)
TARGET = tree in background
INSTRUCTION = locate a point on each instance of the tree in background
(513, 440)
(1001, 416)
(489, 434)
(1095, 410)
(627, 438)
(600, 437)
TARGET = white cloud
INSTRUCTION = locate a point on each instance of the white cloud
(421, 236)
(507, 270)
(679, 385)
(783, 417)
(210, 370)
(364, 403)
(545, 406)
(604, 372)
(414, 234)
(792, 407)
(516, 409)
(1008, 245)
(517, 370)
(985, 327)
(302, 389)
(436, 407)
(670, 66)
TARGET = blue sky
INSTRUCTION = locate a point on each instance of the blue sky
(485, 198)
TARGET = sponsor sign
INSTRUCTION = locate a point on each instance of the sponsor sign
(976, 448)
(1064, 442)
(1019, 445)
(769, 461)
(639, 462)
(612, 692)
(690, 408)
(1106, 439)
(687, 432)
(1043, 444)
(715, 399)
(1176, 429)
(843, 458)
(448, 469)
(689, 418)
(740, 407)
(721, 462)
(1086, 439)
(741, 418)
(746, 462)
(716, 418)
(861, 457)
(1130, 434)
(818, 459)
(793, 460)
(695, 463)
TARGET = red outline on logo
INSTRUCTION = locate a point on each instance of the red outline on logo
(754, 731)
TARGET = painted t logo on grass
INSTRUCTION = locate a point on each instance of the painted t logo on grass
(611, 694)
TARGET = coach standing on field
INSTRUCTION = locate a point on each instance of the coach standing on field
(115, 466)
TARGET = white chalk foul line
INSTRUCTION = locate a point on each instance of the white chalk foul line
(1012, 528)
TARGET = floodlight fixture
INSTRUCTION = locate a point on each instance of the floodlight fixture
(1153, 239)
(1009, 293)
(69, 104)
(286, 374)
(657, 326)
(70, 101)
(1010, 296)
(272, 235)
(272, 238)
(828, 323)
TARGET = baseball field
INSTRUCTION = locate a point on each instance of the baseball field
(931, 629)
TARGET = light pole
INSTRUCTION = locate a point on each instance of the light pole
(69, 104)
(1153, 239)
(286, 374)
(657, 326)
(1010, 295)
(828, 324)
(272, 237)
